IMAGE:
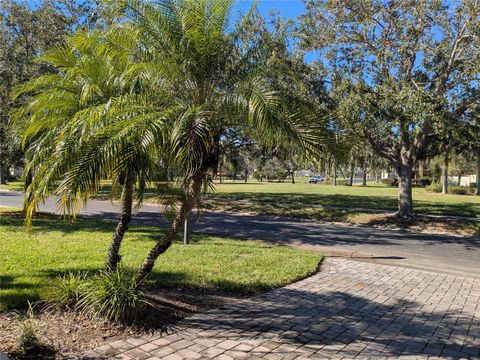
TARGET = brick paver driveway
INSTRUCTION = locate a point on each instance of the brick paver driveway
(349, 309)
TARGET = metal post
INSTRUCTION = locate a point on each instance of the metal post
(186, 230)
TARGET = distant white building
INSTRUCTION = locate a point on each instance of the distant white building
(465, 180)
(16, 171)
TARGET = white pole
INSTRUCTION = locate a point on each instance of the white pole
(186, 230)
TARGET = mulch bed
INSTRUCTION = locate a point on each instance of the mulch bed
(67, 332)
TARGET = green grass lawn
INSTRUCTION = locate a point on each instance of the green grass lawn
(373, 196)
(262, 195)
(13, 186)
(30, 262)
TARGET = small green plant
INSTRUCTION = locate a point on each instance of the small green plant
(28, 331)
(459, 190)
(66, 291)
(434, 187)
(113, 295)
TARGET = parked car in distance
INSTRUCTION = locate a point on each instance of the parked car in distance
(315, 179)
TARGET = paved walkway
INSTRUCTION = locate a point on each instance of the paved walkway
(348, 310)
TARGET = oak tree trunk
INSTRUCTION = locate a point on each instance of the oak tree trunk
(445, 173)
(164, 243)
(3, 175)
(477, 191)
(292, 175)
(334, 172)
(352, 173)
(405, 199)
(421, 169)
(113, 256)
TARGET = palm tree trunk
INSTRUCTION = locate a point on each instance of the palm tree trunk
(164, 243)
(113, 257)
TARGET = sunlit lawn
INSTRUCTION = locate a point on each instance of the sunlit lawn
(373, 196)
(30, 262)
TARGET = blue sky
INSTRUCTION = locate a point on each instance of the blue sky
(287, 8)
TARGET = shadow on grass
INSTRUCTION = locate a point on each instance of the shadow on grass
(158, 281)
(466, 208)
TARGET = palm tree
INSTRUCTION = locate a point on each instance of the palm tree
(197, 61)
(92, 120)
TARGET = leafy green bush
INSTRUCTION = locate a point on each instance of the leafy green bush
(472, 185)
(434, 187)
(113, 295)
(340, 182)
(258, 175)
(458, 190)
(281, 175)
(425, 181)
(28, 329)
(390, 181)
(67, 290)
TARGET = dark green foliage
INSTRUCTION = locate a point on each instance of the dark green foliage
(113, 295)
(434, 187)
(425, 181)
(390, 181)
(459, 190)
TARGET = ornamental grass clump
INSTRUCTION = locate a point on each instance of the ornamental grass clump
(28, 329)
(113, 295)
(67, 290)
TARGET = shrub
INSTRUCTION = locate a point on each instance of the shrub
(281, 175)
(458, 190)
(342, 182)
(390, 181)
(425, 181)
(258, 175)
(28, 331)
(113, 295)
(66, 290)
(472, 185)
(434, 187)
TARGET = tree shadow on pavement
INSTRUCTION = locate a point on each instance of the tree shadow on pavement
(345, 324)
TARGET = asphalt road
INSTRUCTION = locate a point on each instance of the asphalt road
(439, 253)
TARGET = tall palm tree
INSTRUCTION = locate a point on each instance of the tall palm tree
(92, 120)
(197, 61)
